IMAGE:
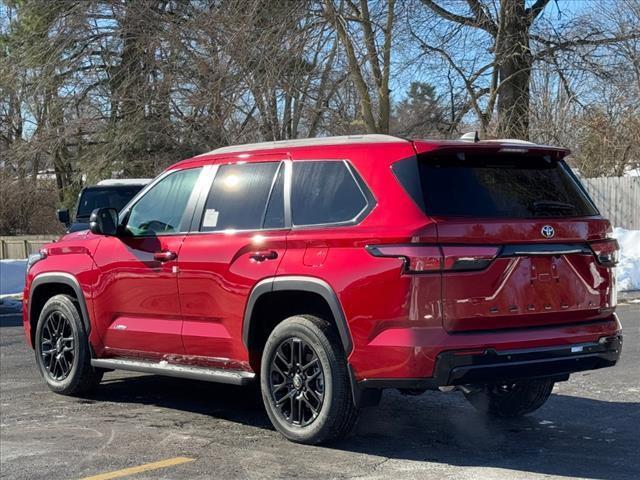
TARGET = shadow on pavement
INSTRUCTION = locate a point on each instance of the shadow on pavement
(236, 404)
(569, 436)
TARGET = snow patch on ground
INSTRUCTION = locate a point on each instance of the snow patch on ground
(12, 276)
(628, 269)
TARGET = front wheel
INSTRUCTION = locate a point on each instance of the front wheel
(62, 348)
(305, 383)
(510, 399)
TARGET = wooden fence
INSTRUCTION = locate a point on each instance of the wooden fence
(23, 246)
(617, 198)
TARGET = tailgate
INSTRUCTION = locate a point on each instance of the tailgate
(522, 244)
(528, 283)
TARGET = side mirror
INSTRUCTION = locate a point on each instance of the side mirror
(104, 221)
(63, 216)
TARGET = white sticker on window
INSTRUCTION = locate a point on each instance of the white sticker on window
(210, 218)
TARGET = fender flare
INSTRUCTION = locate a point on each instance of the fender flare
(298, 283)
(66, 279)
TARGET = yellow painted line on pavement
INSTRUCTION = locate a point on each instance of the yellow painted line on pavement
(170, 462)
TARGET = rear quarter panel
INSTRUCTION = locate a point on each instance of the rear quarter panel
(372, 291)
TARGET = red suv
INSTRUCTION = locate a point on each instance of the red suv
(330, 269)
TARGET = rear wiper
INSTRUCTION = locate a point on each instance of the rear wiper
(538, 205)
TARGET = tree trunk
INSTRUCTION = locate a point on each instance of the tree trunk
(514, 58)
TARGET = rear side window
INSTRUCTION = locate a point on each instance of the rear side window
(495, 185)
(238, 197)
(326, 192)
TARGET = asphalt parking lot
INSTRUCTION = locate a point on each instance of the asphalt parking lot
(590, 428)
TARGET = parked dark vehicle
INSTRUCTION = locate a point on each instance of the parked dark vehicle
(326, 270)
(106, 194)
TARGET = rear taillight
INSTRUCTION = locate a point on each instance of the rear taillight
(417, 258)
(606, 251)
(468, 257)
(433, 258)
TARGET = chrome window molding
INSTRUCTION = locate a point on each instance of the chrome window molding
(370, 201)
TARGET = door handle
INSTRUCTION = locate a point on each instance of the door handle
(165, 256)
(262, 256)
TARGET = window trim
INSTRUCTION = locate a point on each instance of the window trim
(365, 191)
(185, 225)
(271, 188)
(209, 175)
(565, 166)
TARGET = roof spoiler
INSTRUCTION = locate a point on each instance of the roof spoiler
(518, 147)
(473, 137)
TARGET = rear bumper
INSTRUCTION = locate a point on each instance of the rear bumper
(491, 366)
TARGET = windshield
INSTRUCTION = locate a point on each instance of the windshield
(100, 197)
(493, 185)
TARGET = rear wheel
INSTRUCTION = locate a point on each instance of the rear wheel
(511, 399)
(304, 381)
(62, 348)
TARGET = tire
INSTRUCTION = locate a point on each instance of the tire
(62, 348)
(513, 399)
(308, 405)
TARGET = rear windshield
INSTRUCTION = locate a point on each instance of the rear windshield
(495, 185)
(113, 197)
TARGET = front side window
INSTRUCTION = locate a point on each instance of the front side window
(239, 198)
(162, 209)
(324, 192)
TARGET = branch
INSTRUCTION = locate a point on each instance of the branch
(354, 67)
(462, 20)
(482, 17)
(578, 42)
(536, 9)
(473, 94)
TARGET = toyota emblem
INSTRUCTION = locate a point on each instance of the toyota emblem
(547, 231)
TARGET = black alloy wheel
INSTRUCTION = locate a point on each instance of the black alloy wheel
(296, 382)
(62, 349)
(57, 346)
(305, 382)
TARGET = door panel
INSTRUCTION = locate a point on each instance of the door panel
(217, 273)
(136, 302)
(242, 240)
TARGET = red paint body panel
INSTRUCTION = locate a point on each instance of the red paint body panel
(215, 279)
(191, 309)
(133, 290)
(72, 255)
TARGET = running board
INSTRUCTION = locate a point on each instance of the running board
(233, 377)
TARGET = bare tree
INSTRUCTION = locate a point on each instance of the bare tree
(500, 79)
(355, 24)
(105, 88)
